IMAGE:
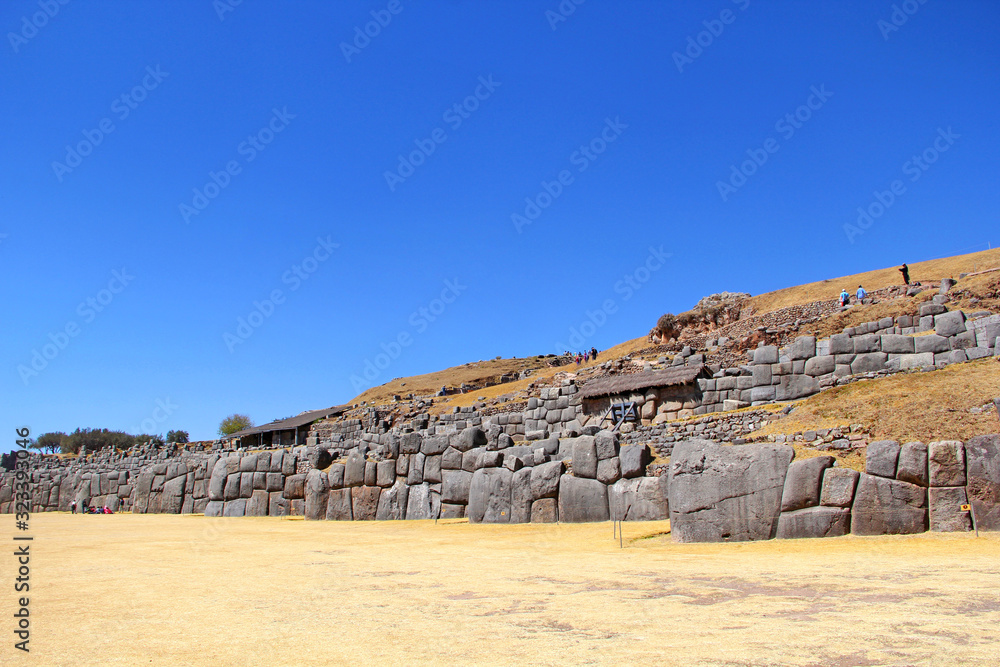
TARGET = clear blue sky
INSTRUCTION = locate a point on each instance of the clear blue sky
(659, 133)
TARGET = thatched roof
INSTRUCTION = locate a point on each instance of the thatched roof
(623, 384)
(301, 419)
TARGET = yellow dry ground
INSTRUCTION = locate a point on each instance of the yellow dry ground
(189, 590)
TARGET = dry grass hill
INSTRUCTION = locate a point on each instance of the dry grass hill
(907, 406)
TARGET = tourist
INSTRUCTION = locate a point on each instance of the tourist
(905, 270)
(845, 298)
(72, 507)
(862, 294)
(593, 353)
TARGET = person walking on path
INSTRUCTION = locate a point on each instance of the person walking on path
(905, 270)
(593, 353)
(862, 294)
(845, 298)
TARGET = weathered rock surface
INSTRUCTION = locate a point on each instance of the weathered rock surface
(838, 487)
(392, 502)
(814, 522)
(364, 502)
(317, 494)
(946, 463)
(881, 458)
(455, 487)
(803, 483)
(582, 500)
(912, 466)
(726, 493)
(888, 507)
(945, 504)
(637, 499)
(982, 454)
(634, 459)
(338, 506)
(490, 496)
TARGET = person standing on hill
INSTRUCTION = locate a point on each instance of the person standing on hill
(862, 294)
(845, 298)
(593, 353)
(905, 270)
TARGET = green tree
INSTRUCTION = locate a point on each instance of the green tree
(96, 438)
(179, 437)
(233, 423)
(49, 443)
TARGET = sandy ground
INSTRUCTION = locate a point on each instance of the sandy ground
(164, 590)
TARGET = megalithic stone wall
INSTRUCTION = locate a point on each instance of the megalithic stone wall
(753, 492)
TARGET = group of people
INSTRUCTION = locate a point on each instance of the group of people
(585, 356)
(861, 294)
(85, 508)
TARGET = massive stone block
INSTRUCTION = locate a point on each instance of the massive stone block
(637, 499)
(803, 483)
(469, 438)
(912, 465)
(949, 324)
(172, 497)
(545, 479)
(364, 502)
(392, 502)
(814, 522)
(804, 347)
(606, 444)
(521, 496)
(423, 503)
(585, 457)
(838, 487)
(317, 494)
(545, 510)
(888, 507)
(295, 487)
(821, 365)
(881, 458)
(385, 473)
(946, 463)
(945, 506)
(217, 483)
(726, 493)
(869, 362)
(982, 455)
(434, 445)
(582, 500)
(634, 459)
(277, 504)
(214, 508)
(609, 471)
(455, 487)
(354, 471)
(791, 387)
(451, 459)
(490, 496)
(235, 507)
(258, 503)
(432, 469)
(338, 506)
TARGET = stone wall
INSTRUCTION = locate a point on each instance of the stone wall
(754, 492)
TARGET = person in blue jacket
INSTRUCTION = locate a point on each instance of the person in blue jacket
(862, 294)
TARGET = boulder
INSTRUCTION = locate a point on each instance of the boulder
(634, 459)
(545, 479)
(726, 493)
(838, 487)
(766, 354)
(888, 507)
(609, 471)
(455, 487)
(319, 457)
(338, 506)
(317, 494)
(814, 522)
(946, 463)
(434, 445)
(931, 343)
(949, 324)
(821, 365)
(521, 496)
(469, 438)
(385, 474)
(432, 469)
(868, 362)
(295, 487)
(637, 499)
(451, 459)
(217, 483)
(392, 502)
(410, 443)
(982, 454)
(791, 387)
(172, 497)
(945, 505)
(803, 483)
(582, 500)
(912, 465)
(235, 507)
(423, 503)
(490, 496)
(364, 502)
(545, 510)
(585, 457)
(258, 503)
(371, 473)
(881, 458)
(897, 344)
(606, 443)
(804, 347)
(416, 474)
(214, 508)
(354, 470)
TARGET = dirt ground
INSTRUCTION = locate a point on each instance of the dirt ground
(165, 590)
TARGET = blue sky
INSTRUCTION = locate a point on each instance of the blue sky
(275, 159)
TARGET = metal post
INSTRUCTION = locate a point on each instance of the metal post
(972, 511)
